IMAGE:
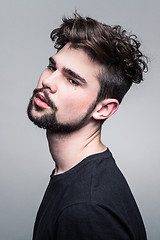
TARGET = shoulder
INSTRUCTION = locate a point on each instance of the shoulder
(108, 182)
(91, 221)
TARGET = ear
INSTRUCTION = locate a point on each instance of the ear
(105, 109)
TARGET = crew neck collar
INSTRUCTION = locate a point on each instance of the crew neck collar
(87, 159)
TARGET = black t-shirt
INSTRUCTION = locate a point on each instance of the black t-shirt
(91, 201)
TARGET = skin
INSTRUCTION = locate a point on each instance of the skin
(73, 95)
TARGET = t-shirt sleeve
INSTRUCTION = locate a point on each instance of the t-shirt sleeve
(90, 221)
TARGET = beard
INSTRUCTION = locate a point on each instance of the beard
(49, 120)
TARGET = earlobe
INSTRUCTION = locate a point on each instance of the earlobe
(105, 109)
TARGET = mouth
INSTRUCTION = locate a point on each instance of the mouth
(41, 101)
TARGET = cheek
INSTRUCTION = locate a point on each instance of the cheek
(77, 103)
(72, 107)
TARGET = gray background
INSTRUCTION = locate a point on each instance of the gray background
(132, 134)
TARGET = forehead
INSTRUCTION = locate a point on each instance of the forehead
(78, 61)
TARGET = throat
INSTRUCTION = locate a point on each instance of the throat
(68, 151)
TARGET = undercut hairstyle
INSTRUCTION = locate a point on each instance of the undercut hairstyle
(121, 61)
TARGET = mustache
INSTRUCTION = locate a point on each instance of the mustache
(42, 90)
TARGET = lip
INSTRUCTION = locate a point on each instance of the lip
(41, 101)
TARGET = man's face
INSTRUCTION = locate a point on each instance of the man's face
(66, 93)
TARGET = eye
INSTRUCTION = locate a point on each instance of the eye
(51, 67)
(73, 82)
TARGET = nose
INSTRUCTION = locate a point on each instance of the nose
(49, 82)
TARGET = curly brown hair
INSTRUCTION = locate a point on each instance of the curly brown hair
(118, 52)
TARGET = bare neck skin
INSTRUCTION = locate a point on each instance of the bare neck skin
(68, 150)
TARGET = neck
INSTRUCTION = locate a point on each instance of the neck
(68, 150)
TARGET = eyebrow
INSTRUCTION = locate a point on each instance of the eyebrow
(69, 72)
(74, 75)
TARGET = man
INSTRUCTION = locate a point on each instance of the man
(83, 85)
